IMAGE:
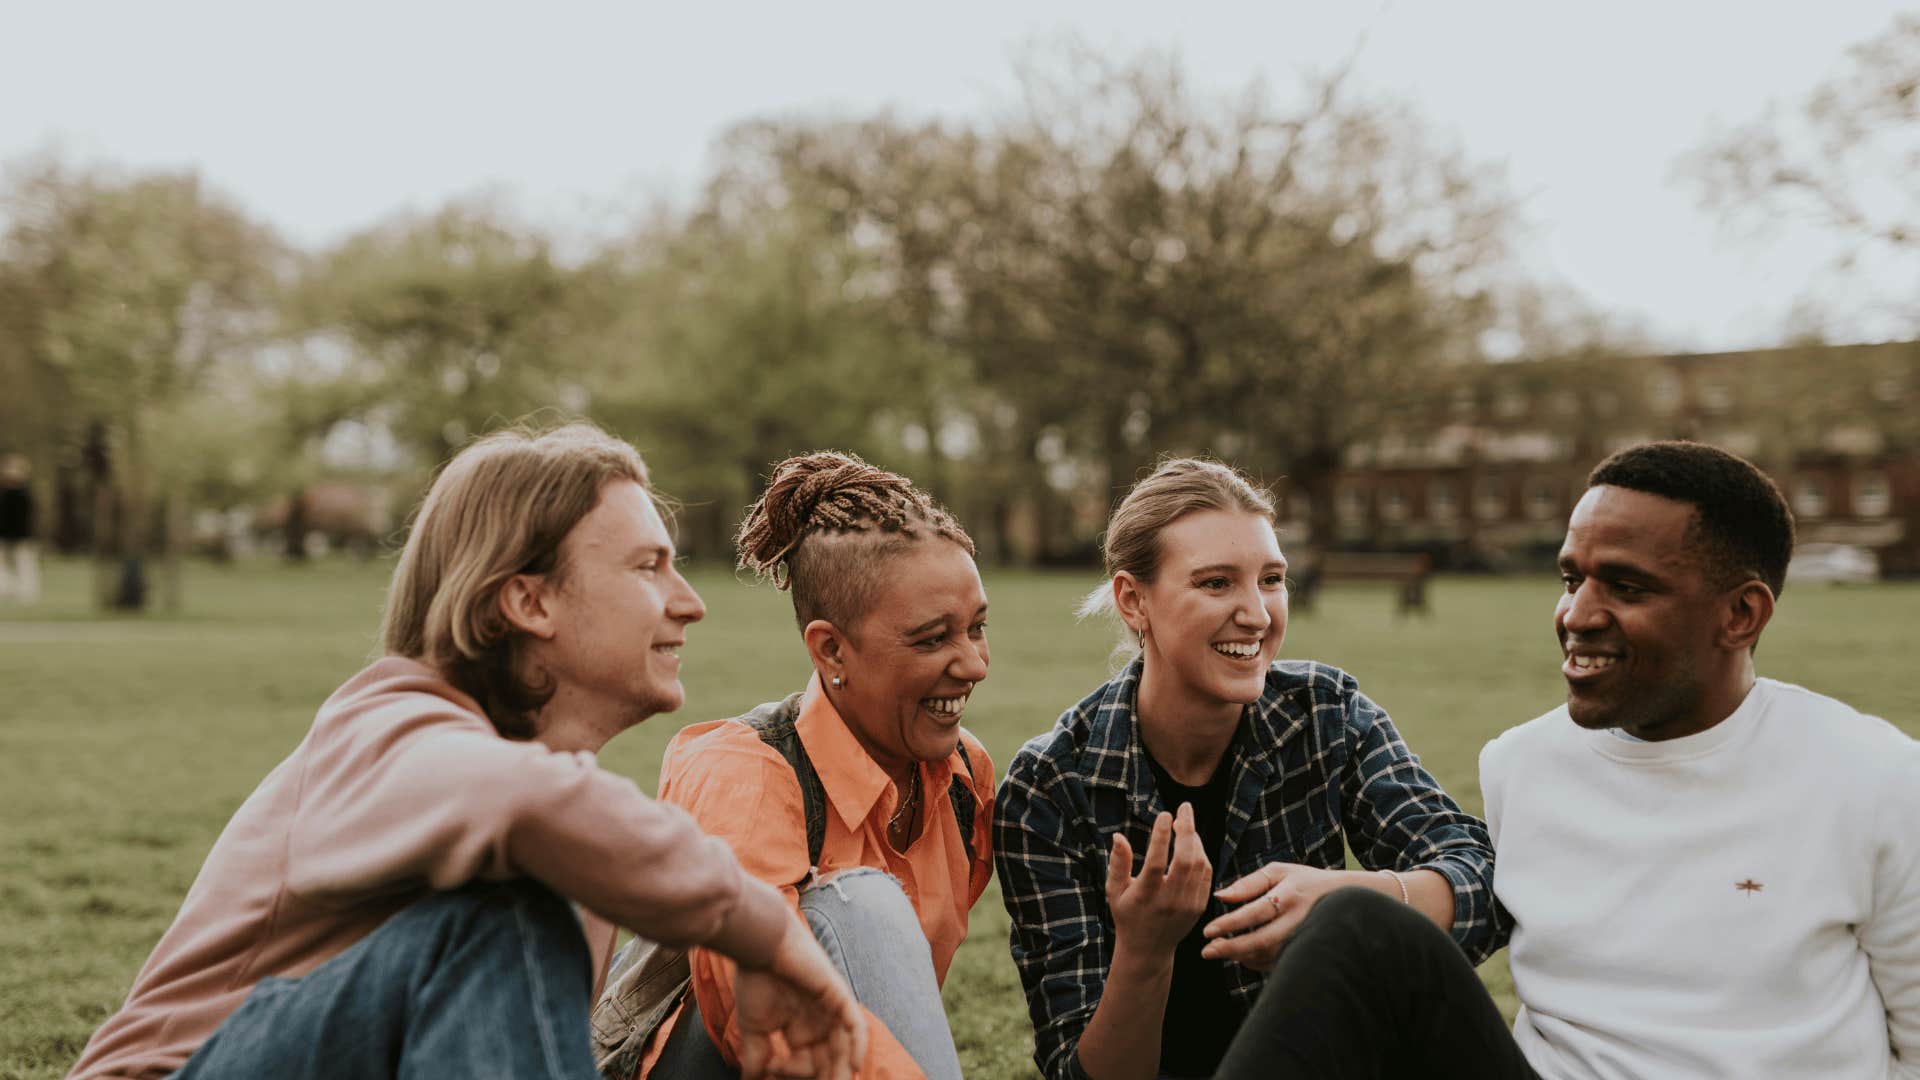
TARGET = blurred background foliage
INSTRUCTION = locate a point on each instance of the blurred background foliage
(1021, 312)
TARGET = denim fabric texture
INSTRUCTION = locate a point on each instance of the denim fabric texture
(482, 982)
(1317, 767)
(870, 932)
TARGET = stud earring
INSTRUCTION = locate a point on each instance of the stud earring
(836, 681)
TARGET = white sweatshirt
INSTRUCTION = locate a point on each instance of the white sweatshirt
(1744, 902)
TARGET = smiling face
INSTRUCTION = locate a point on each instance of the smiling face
(911, 660)
(1212, 619)
(1640, 620)
(620, 610)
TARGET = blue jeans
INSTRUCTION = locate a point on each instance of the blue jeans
(491, 980)
(870, 931)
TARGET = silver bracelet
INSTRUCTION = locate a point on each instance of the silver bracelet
(1405, 897)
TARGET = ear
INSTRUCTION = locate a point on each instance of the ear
(525, 602)
(1129, 599)
(1748, 609)
(828, 646)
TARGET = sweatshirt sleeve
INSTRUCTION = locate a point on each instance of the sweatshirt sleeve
(1891, 935)
(413, 790)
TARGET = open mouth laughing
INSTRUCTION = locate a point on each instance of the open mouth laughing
(946, 708)
(1238, 650)
(1585, 662)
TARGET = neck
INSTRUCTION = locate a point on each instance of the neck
(571, 722)
(1721, 699)
(1188, 738)
(898, 769)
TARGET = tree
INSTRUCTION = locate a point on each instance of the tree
(740, 338)
(1846, 157)
(1125, 266)
(435, 329)
(136, 292)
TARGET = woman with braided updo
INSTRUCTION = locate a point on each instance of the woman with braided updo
(861, 796)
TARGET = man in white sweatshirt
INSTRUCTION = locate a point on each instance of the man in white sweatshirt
(1709, 873)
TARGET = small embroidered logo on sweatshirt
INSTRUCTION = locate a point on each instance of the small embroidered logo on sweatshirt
(1748, 886)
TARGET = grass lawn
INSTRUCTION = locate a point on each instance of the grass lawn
(125, 743)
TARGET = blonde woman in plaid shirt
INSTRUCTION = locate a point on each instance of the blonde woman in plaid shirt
(1175, 828)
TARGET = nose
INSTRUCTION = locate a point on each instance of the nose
(1251, 612)
(970, 664)
(1580, 611)
(685, 604)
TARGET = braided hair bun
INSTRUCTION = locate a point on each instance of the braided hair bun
(824, 522)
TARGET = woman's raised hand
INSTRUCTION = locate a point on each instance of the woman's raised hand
(1154, 909)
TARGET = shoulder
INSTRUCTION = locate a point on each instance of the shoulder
(1324, 692)
(1312, 677)
(720, 753)
(1326, 699)
(1538, 735)
(971, 759)
(395, 698)
(1829, 734)
(1057, 752)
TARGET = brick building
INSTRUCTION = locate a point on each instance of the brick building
(1486, 472)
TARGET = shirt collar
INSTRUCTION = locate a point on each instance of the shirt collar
(1114, 756)
(854, 782)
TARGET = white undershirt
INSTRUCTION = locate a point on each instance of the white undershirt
(1743, 902)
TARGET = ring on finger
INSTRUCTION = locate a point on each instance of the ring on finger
(1274, 899)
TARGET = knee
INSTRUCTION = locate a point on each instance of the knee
(1361, 920)
(871, 892)
(863, 904)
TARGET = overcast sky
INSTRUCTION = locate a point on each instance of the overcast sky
(327, 119)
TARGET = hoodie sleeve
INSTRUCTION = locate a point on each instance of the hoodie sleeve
(404, 787)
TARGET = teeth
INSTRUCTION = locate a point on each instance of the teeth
(1241, 649)
(670, 650)
(945, 706)
(1590, 663)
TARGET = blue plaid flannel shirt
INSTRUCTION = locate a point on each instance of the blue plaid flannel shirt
(1315, 762)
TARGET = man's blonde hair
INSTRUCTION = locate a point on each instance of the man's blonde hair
(499, 507)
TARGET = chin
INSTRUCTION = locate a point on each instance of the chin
(939, 747)
(663, 699)
(1592, 717)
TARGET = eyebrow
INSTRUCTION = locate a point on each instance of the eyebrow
(1228, 568)
(1615, 569)
(936, 622)
(650, 549)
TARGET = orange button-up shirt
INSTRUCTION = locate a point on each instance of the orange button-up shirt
(741, 790)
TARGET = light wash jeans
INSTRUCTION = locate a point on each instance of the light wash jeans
(868, 928)
(491, 980)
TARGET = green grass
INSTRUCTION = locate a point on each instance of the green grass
(125, 743)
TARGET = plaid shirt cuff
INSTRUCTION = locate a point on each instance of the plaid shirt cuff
(1468, 915)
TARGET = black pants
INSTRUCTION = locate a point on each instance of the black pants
(1369, 987)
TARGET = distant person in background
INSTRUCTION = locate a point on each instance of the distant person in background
(1161, 846)
(1709, 873)
(392, 900)
(860, 797)
(19, 558)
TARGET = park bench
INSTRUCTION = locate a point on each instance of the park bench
(1410, 572)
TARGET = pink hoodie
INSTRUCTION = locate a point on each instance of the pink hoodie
(402, 787)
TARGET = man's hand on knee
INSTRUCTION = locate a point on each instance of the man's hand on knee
(797, 1018)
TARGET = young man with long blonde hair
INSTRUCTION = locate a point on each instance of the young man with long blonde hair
(392, 899)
